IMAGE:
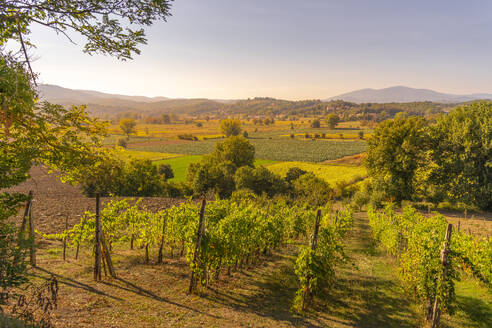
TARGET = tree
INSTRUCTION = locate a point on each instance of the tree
(332, 120)
(312, 190)
(39, 133)
(108, 26)
(293, 174)
(216, 170)
(127, 125)
(460, 155)
(259, 180)
(166, 119)
(396, 150)
(35, 133)
(166, 171)
(238, 150)
(316, 124)
(230, 127)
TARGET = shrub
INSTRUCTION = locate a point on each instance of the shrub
(313, 190)
(259, 180)
(294, 173)
(140, 178)
(230, 127)
(316, 124)
(166, 171)
(361, 135)
(122, 142)
(245, 134)
(292, 136)
(187, 136)
(199, 124)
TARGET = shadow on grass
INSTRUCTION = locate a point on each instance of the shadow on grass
(74, 283)
(357, 299)
(133, 288)
(475, 310)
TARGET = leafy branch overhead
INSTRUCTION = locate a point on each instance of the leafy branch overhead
(111, 27)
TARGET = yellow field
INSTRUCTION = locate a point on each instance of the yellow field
(328, 172)
(331, 135)
(153, 156)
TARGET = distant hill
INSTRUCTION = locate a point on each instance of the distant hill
(401, 94)
(100, 103)
(54, 92)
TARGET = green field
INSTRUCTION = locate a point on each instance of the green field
(282, 149)
(153, 156)
(331, 173)
(180, 165)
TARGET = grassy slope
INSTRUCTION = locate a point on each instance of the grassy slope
(367, 293)
(330, 173)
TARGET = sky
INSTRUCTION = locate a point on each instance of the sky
(303, 49)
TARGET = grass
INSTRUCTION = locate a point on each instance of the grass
(153, 156)
(282, 149)
(180, 165)
(329, 172)
(366, 293)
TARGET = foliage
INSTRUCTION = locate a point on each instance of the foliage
(127, 125)
(137, 177)
(216, 170)
(122, 143)
(237, 150)
(315, 269)
(395, 152)
(107, 26)
(460, 156)
(33, 133)
(166, 171)
(312, 190)
(230, 127)
(332, 120)
(259, 180)
(417, 241)
(293, 173)
(316, 124)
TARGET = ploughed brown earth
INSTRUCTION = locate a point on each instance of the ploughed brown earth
(54, 201)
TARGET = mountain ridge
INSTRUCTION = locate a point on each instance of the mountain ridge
(402, 94)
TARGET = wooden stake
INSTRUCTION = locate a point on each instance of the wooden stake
(199, 233)
(65, 239)
(314, 244)
(107, 256)
(31, 238)
(161, 246)
(22, 231)
(97, 242)
(436, 313)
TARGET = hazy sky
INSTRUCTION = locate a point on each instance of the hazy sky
(289, 49)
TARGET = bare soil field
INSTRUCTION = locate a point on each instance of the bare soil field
(54, 201)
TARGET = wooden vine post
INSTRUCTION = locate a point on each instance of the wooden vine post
(65, 239)
(161, 246)
(32, 248)
(97, 241)
(199, 234)
(101, 251)
(27, 209)
(436, 313)
(314, 244)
